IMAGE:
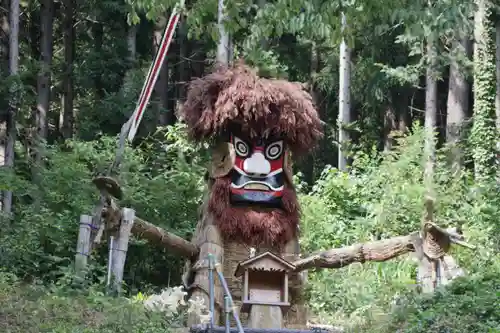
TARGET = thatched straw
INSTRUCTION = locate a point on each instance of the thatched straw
(237, 97)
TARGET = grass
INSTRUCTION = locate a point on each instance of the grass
(35, 308)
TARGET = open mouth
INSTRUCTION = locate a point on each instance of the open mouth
(257, 187)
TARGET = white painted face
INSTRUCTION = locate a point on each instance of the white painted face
(258, 169)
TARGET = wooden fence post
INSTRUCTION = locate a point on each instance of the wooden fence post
(119, 249)
(83, 244)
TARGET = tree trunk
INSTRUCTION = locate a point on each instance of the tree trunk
(403, 102)
(483, 134)
(69, 54)
(132, 42)
(161, 86)
(199, 57)
(431, 93)
(224, 45)
(497, 99)
(4, 69)
(34, 33)
(307, 165)
(183, 67)
(263, 41)
(98, 34)
(458, 103)
(11, 117)
(344, 99)
(43, 84)
(4, 37)
(44, 76)
(390, 124)
(431, 108)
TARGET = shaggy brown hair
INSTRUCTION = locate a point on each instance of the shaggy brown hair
(254, 226)
(238, 97)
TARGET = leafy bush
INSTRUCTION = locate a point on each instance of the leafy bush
(470, 304)
(161, 179)
(38, 308)
(381, 198)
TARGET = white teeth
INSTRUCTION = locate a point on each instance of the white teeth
(256, 186)
(253, 185)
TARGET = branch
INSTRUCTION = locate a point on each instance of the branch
(110, 188)
(145, 230)
(150, 232)
(381, 250)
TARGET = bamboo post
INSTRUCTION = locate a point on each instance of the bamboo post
(227, 311)
(110, 259)
(83, 244)
(119, 249)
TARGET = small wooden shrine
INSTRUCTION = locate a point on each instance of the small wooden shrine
(265, 289)
(265, 281)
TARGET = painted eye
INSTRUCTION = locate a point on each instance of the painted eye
(241, 147)
(274, 150)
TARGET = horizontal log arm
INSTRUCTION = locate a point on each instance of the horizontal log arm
(380, 250)
(148, 231)
(157, 235)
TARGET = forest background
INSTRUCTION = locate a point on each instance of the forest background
(71, 75)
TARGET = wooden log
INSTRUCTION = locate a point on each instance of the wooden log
(210, 241)
(83, 244)
(381, 250)
(156, 235)
(119, 250)
(152, 233)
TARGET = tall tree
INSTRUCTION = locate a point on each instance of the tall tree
(390, 124)
(483, 134)
(497, 53)
(224, 46)
(183, 68)
(44, 76)
(458, 101)
(429, 283)
(161, 85)
(13, 93)
(98, 36)
(431, 108)
(4, 70)
(69, 55)
(344, 98)
(4, 36)
(497, 99)
(132, 42)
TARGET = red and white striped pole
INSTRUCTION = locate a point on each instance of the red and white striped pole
(154, 72)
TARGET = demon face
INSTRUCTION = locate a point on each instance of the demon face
(257, 176)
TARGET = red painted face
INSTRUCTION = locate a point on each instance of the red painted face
(257, 175)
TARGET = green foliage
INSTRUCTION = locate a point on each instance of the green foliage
(164, 188)
(469, 304)
(483, 134)
(162, 176)
(36, 308)
(383, 198)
